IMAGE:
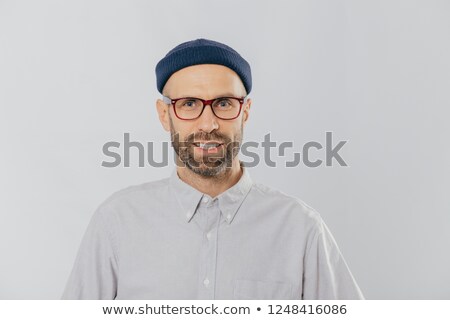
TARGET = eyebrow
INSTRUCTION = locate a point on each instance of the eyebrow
(227, 94)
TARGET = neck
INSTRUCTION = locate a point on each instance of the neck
(212, 186)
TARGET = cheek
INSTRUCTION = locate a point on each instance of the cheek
(236, 128)
(183, 129)
(231, 127)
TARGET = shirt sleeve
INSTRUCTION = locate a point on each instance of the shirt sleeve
(326, 274)
(94, 274)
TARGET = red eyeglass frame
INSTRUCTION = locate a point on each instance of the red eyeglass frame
(205, 103)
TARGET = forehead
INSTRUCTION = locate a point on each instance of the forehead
(204, 81)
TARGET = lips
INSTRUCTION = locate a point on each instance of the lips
(207, 145)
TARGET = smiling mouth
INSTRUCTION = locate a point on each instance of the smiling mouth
(207, 145)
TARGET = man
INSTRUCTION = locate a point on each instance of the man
(208, 231)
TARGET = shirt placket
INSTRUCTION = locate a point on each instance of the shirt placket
(207, 280)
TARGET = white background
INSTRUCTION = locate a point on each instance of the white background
(77, 74)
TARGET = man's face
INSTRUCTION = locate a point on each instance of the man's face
(206, 81)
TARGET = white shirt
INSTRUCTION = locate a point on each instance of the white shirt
(166, 240)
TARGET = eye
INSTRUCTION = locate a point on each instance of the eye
(223, 103)
(189, 103)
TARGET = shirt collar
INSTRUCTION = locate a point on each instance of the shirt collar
(229, 201)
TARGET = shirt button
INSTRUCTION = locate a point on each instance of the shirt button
(229, 216)
(205, 200)
(188, 214)
(208, 235)
(206, 282)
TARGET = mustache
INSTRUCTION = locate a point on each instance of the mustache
(205, 136)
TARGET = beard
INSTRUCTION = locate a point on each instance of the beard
(208, 165)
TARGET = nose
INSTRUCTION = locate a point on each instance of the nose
(207, 122)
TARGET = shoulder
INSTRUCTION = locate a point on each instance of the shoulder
(134, 194)
(290, 206)
(274, 195)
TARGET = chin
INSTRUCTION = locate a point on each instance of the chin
(207, 171)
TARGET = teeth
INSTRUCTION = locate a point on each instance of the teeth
(208, 145)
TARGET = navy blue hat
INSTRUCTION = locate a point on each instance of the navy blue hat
(202, 51)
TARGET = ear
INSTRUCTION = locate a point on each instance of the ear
(163, 113)
(246, 111)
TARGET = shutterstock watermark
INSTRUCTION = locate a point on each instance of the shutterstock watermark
(326, 153)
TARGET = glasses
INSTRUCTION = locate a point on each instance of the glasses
(226, 108)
